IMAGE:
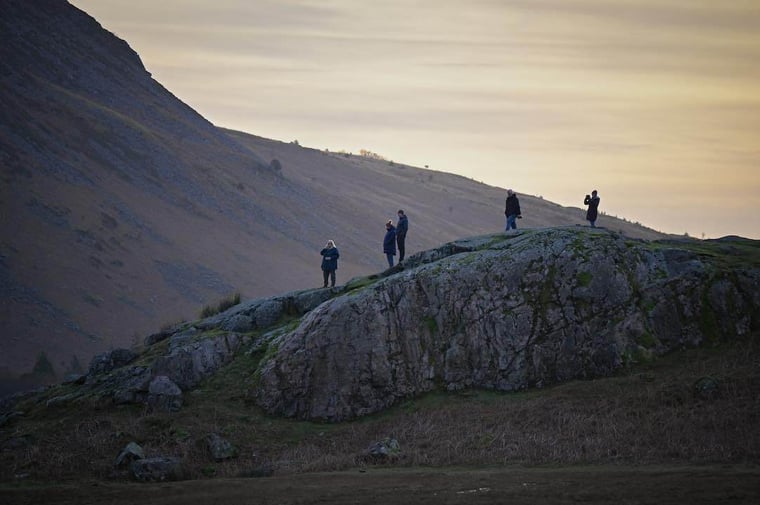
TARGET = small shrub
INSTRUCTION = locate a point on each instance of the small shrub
(224, 304)
(432, 325)
(584, 279)
(43, 366)
(646, 340)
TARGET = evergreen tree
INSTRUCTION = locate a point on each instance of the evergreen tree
(43, 366)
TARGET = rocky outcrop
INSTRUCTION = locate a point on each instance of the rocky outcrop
(501, 312)
(194, 356)
(178, 359)
(508, 313)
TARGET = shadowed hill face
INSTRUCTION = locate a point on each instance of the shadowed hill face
(115, 194)
(124, 210)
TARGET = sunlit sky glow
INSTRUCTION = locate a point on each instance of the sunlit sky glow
(655, 103)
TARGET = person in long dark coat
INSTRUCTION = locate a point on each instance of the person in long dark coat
(389, 242)
(402, 226)
(593, 206)
(512, 210)
(330, 257)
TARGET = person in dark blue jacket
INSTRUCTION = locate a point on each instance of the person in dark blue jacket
(389, 242)
(402, 226)
(330, 257)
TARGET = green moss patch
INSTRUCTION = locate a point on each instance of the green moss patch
(584, 279)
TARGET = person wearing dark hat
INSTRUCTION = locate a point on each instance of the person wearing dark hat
(593, 206)
(389, 242)
(330, 257)
(512, 210)
(402, 226)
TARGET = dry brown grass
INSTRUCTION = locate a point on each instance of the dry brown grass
(646, 415)
(221, 306)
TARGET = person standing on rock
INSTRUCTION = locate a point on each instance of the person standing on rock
(593, 206)
(389, 242)
(330, 257)
(512, 210)
(402, 226)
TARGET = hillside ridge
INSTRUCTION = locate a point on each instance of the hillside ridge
(503, 312)
(120, 203)
(667, 329)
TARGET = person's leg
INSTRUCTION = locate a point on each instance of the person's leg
(324, 277)
(400, 239)
(332, 278)
(390, 259)
(511, 224)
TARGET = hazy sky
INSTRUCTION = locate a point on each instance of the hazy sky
(655, 103)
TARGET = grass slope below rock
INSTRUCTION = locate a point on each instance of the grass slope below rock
(696, 406)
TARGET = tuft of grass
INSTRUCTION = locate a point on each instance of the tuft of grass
(646, 340)
(359, 283)
(725, 255)
(221, 306)
(584, 279)
(431, 325)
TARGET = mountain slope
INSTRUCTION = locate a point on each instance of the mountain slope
(106, 178)
(124, 210)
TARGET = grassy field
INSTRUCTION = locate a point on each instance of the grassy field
(650, 414)
(656, 485)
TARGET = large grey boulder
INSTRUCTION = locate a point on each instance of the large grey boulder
(157, 469)
(220, 448)
(195, 351)
(131, 452)
(164, 395)
(129, 385)
(384, 451)
(191, 359)
(503, 313)
(103, 363)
